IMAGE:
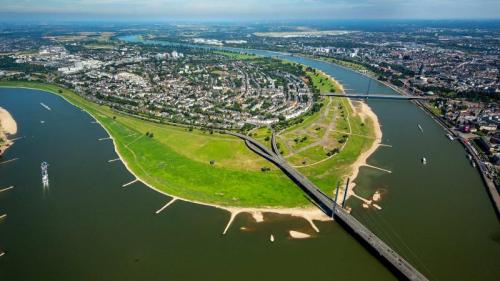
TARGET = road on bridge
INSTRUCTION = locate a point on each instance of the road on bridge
(378, 96)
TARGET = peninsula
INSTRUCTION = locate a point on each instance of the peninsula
(166, 108)
(211, 168)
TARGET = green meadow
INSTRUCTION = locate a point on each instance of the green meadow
(203, 167)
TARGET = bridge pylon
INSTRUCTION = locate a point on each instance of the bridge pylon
(335, 201)
(345, 192)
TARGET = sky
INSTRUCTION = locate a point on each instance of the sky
(247, 9)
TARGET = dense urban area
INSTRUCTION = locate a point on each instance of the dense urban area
(213, 89)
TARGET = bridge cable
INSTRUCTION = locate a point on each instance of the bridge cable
(379, 230)
(384, 232)
(390, 238)
(388, 233)
(398, 237)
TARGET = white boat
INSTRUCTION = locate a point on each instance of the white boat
(424, 161)
(45, 174)
(469, 156)
(473, 163)
(45, 106)
(420, 128)
(450, 137)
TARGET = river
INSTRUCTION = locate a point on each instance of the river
(86, 226)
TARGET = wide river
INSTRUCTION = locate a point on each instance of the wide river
(86, 226)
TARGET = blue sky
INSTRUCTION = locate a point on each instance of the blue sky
(250, 9)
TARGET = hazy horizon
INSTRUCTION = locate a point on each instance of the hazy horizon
(240, 10)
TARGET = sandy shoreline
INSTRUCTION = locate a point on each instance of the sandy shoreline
(366, 113)
(8, 127)
(298, 235)
(361, 161)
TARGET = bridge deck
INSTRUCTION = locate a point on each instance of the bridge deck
(327, 205)
(377, 96)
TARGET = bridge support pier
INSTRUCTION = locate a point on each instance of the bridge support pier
(345, 192)
(335, 202)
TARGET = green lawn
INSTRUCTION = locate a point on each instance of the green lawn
(177, 161)
(322, 82)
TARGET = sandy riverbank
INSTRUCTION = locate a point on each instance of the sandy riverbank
(8, 127)
(366, 113)
(298, 235)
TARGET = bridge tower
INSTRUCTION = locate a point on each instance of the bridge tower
(368, 89)
(335, 201)
(345, 192)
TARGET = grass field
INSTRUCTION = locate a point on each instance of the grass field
(177, 161)
(322, 82)
(325, 131)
